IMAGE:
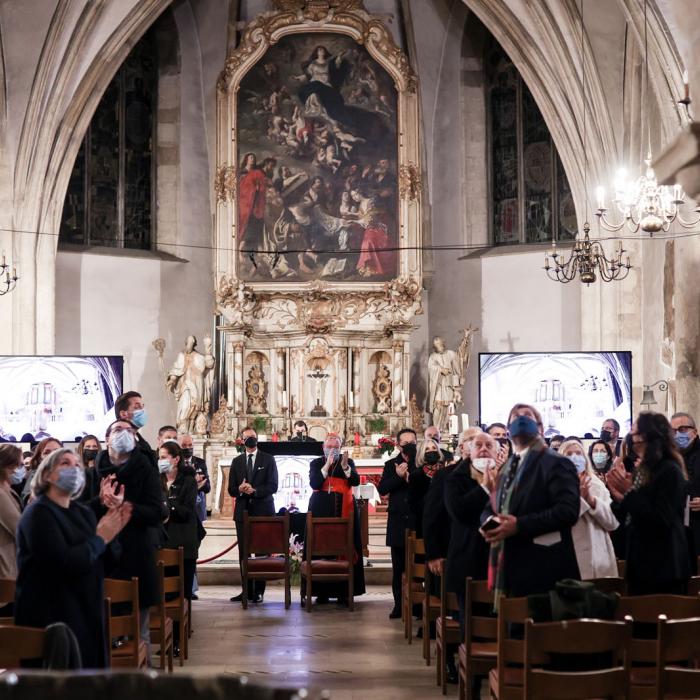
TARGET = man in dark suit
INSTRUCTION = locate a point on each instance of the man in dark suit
(252, 482)
(301, 433)
(130, 407)
(394, 482)
(536, 505)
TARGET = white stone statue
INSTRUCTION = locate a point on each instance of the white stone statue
(445, 380)
(190, 379)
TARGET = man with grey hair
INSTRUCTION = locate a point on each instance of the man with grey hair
(685, 434)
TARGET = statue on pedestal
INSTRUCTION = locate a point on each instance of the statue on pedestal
(190, 379)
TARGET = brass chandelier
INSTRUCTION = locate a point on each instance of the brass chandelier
(8, 280)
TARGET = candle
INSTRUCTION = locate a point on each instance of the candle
(356, 438)
(403, 398)
(677, 193)
(686, 85)
(284, 399)
(351, 400)
(465, 421)
(600, 194)
(454, 424)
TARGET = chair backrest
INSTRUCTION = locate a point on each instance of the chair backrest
(265, 534)
(694, 585)
(123, 595)
(511, 611)
(621, 568)
(7, 590)
(646, 609)
(574, 638)
(678, 641)
(329, 537)
(18, 644)
(478, 626)
(173, 581)
(448, 600)
(609, 584)
(415, 570)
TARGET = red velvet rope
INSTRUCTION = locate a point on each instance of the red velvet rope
(220, 554)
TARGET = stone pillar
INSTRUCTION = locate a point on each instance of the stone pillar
(239, 406)
(356, 378)
(396, 380)
(281, 378)
(230, 375)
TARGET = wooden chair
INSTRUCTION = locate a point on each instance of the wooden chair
(408, 535)
(621, 567)
(7, 595)
(609, 584)
(678, 642)
(576, 637)
(446, 631)
(506, 681)
(176, 605)
(267, 536)
(646, 610)
(478, 652)
(161, 625)
(327, 537)
(414, 583)
(119, 595)
(430, 610)
(694, 585)
(20, 644)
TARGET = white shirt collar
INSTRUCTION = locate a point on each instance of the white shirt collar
(251, 454)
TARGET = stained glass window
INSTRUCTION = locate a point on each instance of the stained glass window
(110, 192)
(530, 196)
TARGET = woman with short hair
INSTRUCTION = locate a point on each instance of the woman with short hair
(59, 556)
(43, 449)
(10, 510)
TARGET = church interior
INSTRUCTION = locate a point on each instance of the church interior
(258, 243)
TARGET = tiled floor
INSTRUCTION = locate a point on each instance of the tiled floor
(353, 655)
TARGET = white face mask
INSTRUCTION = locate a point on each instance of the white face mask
(481, 464)
(164, 466)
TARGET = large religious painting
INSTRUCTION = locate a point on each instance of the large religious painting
(317, 155)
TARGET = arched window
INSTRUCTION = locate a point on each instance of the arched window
(110, 198)
(531, 199)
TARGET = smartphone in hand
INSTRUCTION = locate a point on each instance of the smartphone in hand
(491, 523)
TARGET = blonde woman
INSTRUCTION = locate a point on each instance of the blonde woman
(591, 534)
(429, 461)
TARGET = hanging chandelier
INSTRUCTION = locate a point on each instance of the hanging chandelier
(644, 204)
(8, 280)
(587, 261)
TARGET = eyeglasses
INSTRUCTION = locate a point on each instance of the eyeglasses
(684, 428)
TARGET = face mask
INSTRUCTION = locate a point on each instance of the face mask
(187, 452)
(409, 450)
(432, 457)
(523, 426)
(600, 459)
(17, 476)
(331, 451)
(70, 479)
(164, 466)
(123, 443)
(89, 455)
(138, 418)
(251, 442)
(682, 440)
(579, 462)
(300, 434)
(481, 464)
(605, 435)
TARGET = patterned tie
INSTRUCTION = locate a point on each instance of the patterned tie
(508, 481)
(249, 469)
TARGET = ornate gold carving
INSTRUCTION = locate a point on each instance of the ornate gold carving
(416, 415)
(225, 183)
(381, 389)
(376, 34)
(235, 301)
(409, 182)
(317, 8)
(256, 390)
(218, 420)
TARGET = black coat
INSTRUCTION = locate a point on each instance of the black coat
(200, 467)
(468, 552)
(436, 519)
(691, 456)
(657, 549)
(264, 482)
(546, 504)
(318, 502)
(399, 514)
(139, 539)
(182, 525)
(418, 485)
(61, 577)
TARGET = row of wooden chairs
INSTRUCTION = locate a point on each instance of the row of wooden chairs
(125, 647)
(266, 553)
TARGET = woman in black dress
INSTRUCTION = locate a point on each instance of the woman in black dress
(652, 500)
(59, 556)
(332, 478)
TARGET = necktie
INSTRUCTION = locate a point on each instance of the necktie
(508, 481)
(249, 469)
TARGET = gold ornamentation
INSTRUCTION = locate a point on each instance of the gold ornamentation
(218, 420)
(409, 182)
(381, 389)
(256, 390)
(416, 415)
(235, 301)
(317, 8)
(226, 183)
(377, 35)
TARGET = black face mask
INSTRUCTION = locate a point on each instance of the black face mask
(432, 457)
(251, 442)
(187, 452)
(409, 450)
(89, 455)
(300, 434)
(605, 435)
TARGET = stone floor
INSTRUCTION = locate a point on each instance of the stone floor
(350, 654)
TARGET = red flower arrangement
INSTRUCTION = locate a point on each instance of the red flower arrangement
(386, 445)
(238, 444)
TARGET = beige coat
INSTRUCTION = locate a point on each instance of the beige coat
(594, 550)
(9, 517)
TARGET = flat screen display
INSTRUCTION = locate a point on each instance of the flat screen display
(574, 391)
(293, 474)
(58, 396)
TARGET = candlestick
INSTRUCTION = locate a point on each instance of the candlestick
(351, 401)
(600, 194)
(403, 398)
(465, 421)
(284, 399)
(686, 85)
(454, 424)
